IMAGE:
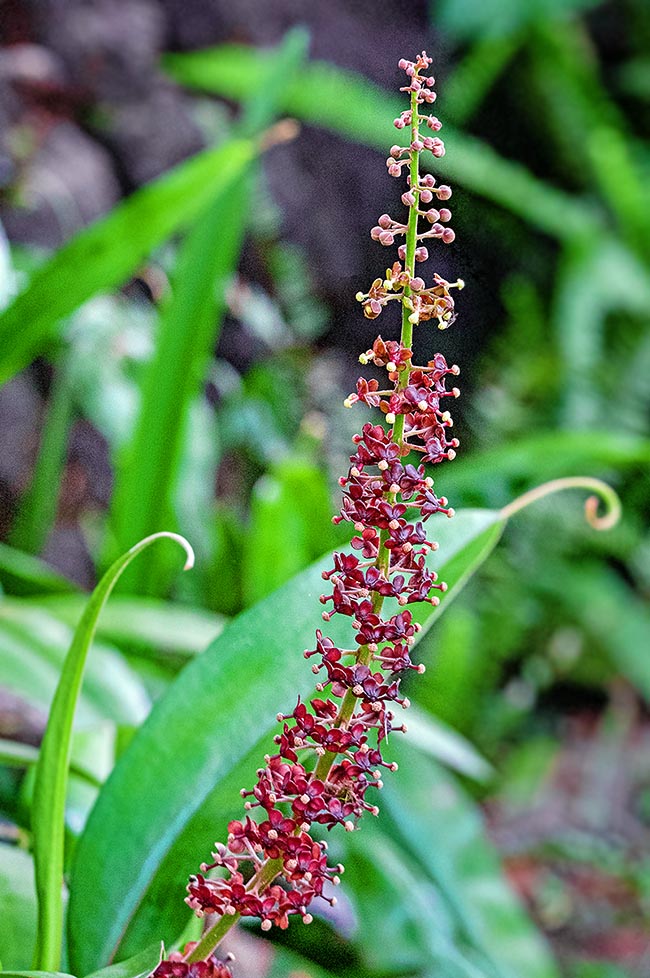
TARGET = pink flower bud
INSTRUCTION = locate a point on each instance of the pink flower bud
(417, 145)
(426, 196)
(432, 215)
(408, 198)
(438, 147)
(394, 170)
(445, 214)
(417, 283)
(403, 64)
(375, 232)
(448, 235)
(428, 180)
(421, 254)
(443, 192)
(437, 230)
(401, 252)
(434, 123)
(399, 123)
(386, 238)
(396, 151)
(384, 221)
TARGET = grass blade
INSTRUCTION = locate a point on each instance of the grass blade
(102, 256)
(21, 573)
(38, 506)
(189, 328)
(52, 769)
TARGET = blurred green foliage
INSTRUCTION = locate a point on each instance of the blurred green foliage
(244, 463)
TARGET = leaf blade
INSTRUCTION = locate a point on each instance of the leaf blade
(48, 812)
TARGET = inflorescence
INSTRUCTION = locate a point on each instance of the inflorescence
(271, 866)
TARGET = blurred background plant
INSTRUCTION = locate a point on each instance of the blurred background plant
(182, 365)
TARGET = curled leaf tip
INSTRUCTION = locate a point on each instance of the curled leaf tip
(185, 544)
(604, 494)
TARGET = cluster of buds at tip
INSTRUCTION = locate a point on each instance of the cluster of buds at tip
(330, 752)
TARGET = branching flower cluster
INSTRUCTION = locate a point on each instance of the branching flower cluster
(330, 752)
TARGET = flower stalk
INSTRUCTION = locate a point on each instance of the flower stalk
(273, 868)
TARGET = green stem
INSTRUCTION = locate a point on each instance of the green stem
(273, 867)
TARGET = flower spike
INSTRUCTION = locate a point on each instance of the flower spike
(330, 752)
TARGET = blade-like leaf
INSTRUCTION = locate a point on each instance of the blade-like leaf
(215, 712)
(15, 754)
(17, 907)
(102, 256)
(139, 966)
(37, 508)
(20, 573)
(145, 626)
(51, 779)
(189, 327)
(425, 806)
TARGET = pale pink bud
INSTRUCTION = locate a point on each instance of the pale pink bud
(448, 235)
(445, 214)
(443, 192)
(426, 196)
(408, 198)
(421, 254)
(384, 221)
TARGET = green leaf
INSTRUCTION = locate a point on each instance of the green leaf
(15, 754)
(424, 806)
(350, 105)
(139, 966)
(434, 738)
(20, 573)
(37, 509)
(190, 325)
(145, 626)
(51, 779)
(212, 716)
(278, 514)
(547, 455)
(34, 646)
(35, 974)
(17, 907)
(102, 256)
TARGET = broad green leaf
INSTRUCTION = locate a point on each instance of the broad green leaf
(35, 974)
(20, 573)
(139, 966)
(190, 323)
(425, 806)
(145, 626)
(278, 513)
(615, 618)
(17, 907)
(216, 711)
(34, 646)
(15, 754)
(545, 455)
(102, 256)
(395, 899)
(434, 738)
(350, 105)
(48, 811)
